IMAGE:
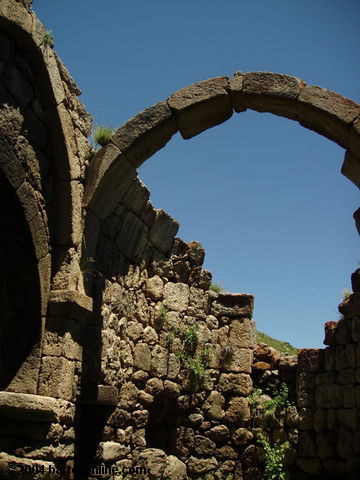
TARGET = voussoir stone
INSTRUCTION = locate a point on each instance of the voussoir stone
(163, 231)
(201, 106)
(328, 113)
(145, 133)
(266, 92)
(351, 167)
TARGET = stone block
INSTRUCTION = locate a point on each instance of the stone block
(355, 281)
(311, 466)
(132, 237)
(310, 360)
(335, 468)
(238, 383)
(355, 329)
(23, 406)
(266, 92)
(242, 333)
(104, 395)
(306, 418)
(346, 377)
(238, 411)
(307, 445)
(328, 113)
(159, 361)
(342, 334)
(142, 356)
(57, 378)
(340, 358)
(348, 417)
(329, 358)
(240, 360)
(329, 396)
(201, 466)
(70, 304)
(233, 305)
(163, 231)
(176, 296)
(320, 420)
(351, 306)
(351, 167)
(119, 418)
(145, 133)
(136, 197)
(201, 106)
(213, 406)
(326, 445)
(346, 443)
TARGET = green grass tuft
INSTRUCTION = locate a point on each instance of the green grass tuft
(102, 135)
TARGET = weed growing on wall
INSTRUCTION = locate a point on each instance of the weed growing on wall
(49, 38)
(274, 458)
(216, 287)
(102, 135)
(191, 338)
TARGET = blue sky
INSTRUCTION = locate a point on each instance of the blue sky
(262, 194)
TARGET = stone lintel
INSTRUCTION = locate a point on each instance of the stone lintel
(71, 304)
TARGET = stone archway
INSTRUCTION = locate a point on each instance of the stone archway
(203, 105)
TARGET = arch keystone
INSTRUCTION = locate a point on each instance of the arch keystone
(328, 113)
(144, 134)
(201, 106)
(266, 92)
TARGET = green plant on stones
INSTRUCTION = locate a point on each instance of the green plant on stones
(191, 338)
(49, 38)
(254, 397)
(215, 287)
(230, 477)
(280, 400)
(161, 315)
(346, 294)
(102, 135)
(274, 458)
(196, 367)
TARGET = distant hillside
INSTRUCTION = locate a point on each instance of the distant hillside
(282, 347)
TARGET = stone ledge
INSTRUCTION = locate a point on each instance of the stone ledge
(101, 395)
(233, 305)
(26, 406)
(70, 303)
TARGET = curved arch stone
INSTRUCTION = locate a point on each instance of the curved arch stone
(205, 104)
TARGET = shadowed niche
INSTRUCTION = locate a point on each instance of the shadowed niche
(20, 320)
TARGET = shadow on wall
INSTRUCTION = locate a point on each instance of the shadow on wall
(20, 320)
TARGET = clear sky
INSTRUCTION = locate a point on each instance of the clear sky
(262, 194)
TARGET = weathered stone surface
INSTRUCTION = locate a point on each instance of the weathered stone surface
(242, 333)
(112, 451)
(155, 462)
(330, 330)
(145, 133)
(176, 296)
(175, 469)
(163, 231)
(142, 356)
(159, 361)
(214, 406)
(201, 465)
(312, 466)
(238, 411)
(351, 169)
(219, 433)
(233, 305)
(201, 106)
(25, 406)
(203, 445)
(128, 396)
(266, 92)
(57, 378)
(154, 287)
(239, 361)
(242, 436)
(329, 396)
(310, 359)
(236, 383)
(328, 113)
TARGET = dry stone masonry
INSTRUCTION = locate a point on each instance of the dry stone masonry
(114, 351)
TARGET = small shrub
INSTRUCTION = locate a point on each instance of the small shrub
(49, 38)
(280, 400)
(195, 366)
(254, 397)
(102, 135)
(191, 338)
(215, 287)
(161, 315)
(274, 458)
(346, 294)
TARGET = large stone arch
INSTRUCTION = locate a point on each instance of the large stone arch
(203, 105)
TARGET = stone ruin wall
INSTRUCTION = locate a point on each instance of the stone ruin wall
(109, 374)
